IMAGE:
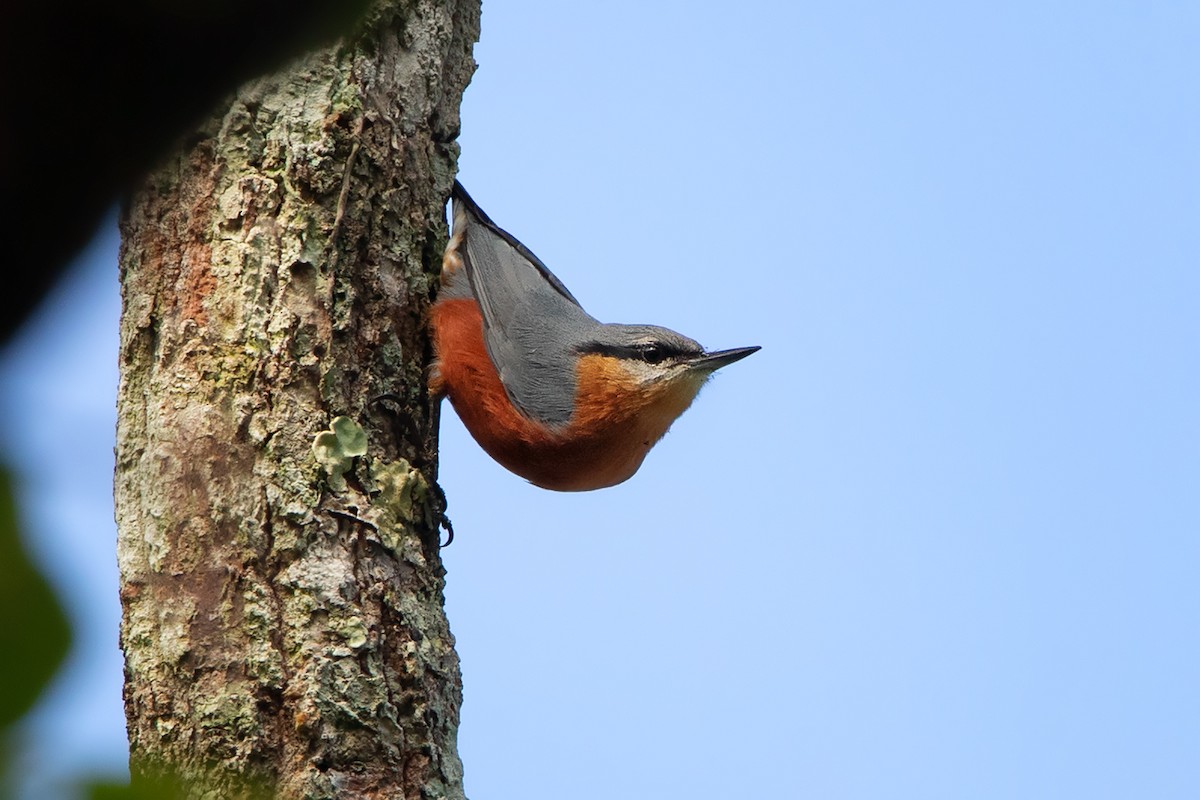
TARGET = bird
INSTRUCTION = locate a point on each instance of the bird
(567, 402)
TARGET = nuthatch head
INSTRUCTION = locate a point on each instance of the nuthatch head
(559, 398)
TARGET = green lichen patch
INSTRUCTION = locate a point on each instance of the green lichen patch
(353, 631)
(336, 448)
(401, 495)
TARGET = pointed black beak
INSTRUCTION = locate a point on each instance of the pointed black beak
(722, 358)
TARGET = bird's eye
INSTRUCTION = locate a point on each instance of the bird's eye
(653, 353)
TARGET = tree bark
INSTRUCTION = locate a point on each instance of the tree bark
(282, 624)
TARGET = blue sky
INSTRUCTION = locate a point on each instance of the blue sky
(938, 539)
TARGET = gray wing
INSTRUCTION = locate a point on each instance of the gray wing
(532, 323)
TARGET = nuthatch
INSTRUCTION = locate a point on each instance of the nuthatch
(555, 396)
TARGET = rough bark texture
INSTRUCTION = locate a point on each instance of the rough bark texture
(275, 274)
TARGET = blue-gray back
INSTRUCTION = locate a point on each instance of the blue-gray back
(533, 326)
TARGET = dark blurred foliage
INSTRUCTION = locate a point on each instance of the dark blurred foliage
(162, 784)
(33, 628)
(92, 94)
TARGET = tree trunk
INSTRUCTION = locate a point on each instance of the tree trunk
(283, 623)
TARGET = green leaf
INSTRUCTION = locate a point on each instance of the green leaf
(158, 782)
(34, 635)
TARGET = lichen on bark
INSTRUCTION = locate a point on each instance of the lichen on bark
(275, 274)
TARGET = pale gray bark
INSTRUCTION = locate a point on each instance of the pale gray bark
(275, 274)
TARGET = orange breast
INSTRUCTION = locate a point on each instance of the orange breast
(614, 426)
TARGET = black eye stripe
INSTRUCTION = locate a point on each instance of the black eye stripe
(650, 352)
